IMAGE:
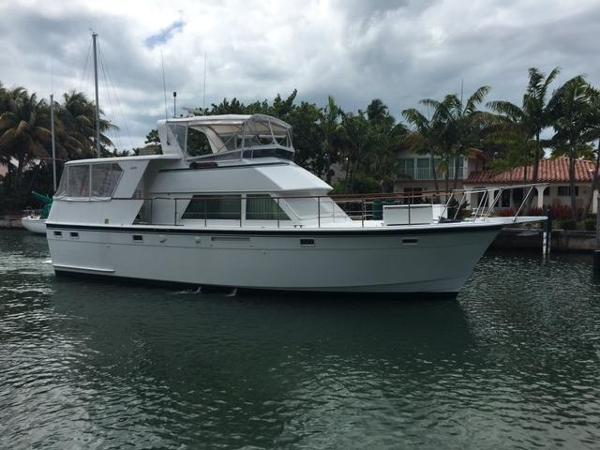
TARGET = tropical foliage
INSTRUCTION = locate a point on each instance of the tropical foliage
(355, 151)
(26, 144)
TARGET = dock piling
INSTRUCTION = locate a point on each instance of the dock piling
(596, 261)
(547, 234)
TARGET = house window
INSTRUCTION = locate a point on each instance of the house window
(226, 207)
(452, 168)
(407, 167)
(424, 169)
(565, 191)
(263, 207)
(505, 199)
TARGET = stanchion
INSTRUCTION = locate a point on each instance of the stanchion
(547, 234)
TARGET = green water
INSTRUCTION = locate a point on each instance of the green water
(513, 362)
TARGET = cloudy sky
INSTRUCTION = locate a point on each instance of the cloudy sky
(396, 50)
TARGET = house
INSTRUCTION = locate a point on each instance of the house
(416, 173)
(416, 177)
(553, 172)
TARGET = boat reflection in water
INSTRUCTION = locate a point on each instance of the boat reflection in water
(263, 368)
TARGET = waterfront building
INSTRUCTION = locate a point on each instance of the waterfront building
(416, 176)
(553, 172)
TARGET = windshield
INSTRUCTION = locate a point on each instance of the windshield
(198, 140)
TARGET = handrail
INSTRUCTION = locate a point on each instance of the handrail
(364, 204)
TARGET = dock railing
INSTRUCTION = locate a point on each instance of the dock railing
(456, 205)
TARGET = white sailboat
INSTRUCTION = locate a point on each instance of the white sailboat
(247, 216)
(34, 223)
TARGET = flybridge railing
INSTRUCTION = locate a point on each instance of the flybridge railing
(489, 199)
(358, 207)
(231, 209)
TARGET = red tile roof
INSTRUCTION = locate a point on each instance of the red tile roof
(550, 171)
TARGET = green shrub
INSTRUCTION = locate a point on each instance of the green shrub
(566, 224)
(589, 224)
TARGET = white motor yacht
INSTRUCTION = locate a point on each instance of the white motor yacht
(225, 205)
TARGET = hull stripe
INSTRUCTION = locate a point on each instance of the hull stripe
(283, 232)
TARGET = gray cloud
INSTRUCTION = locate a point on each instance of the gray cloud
(400, 51)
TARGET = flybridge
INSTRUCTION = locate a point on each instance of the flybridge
(225, 137)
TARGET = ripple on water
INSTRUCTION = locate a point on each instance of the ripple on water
(512, 363)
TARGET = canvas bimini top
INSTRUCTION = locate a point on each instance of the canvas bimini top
(230, 136)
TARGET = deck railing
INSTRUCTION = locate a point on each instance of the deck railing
(455, 206)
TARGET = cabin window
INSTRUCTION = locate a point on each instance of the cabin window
(226, 207)
(274, 152)
(179, 132)
(75, 180)
(62, 185)
(263, 207)
(197, 143)
(78, 181)
(105, 178)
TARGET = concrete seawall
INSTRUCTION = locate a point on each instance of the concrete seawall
(562, 240)
(11, 221)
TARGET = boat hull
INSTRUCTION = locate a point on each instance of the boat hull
(34, 224)
(400, 261)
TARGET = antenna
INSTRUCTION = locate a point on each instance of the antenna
(204, 85)
(162, 63)
(94, 37)
(53, 142)
(52, 128)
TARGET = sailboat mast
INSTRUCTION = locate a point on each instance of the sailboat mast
(94, 36)
(53, 142)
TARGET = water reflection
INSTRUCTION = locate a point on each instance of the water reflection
(288, 366)
(512, 362)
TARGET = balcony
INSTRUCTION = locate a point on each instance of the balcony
(420, 169)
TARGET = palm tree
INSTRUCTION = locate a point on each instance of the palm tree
(423, 139)
(529, 119)
(78, 118)
(330, 125)
(511, 131)
(571, 113)
(24, 131)
(3, 98)
(446, 130)
(538, 111)
(470, 122)
(593, 134)
(354, 144)
(386, 139)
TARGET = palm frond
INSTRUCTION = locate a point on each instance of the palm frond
(506, 108)
(476, 98)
